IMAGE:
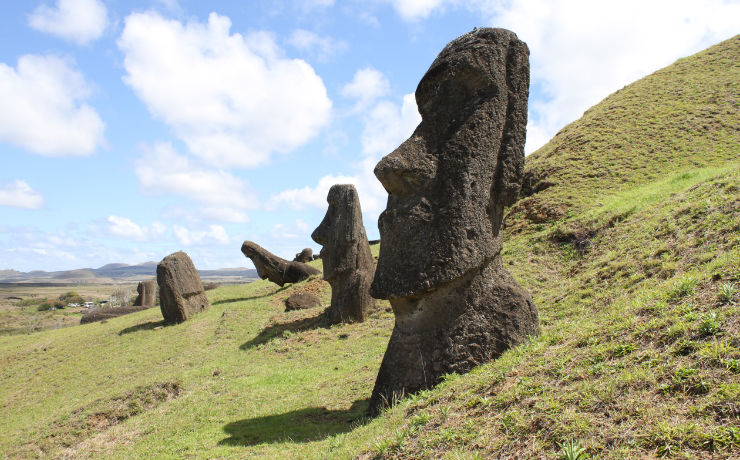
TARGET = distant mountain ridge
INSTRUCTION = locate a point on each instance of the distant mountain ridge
(119, 272)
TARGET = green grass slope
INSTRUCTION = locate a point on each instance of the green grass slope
(628, 239)
(683, 116)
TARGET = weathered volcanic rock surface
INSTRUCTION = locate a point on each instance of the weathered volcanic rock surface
(348, 263)
(456, 307)
(147, 294)
(276, 269)
(302, 301)
(181, 292)
(306, 255)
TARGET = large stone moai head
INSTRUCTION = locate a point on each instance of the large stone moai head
(147, 291)
(276, 269)
(449, 182)
(440, 265)
(181, 293)
(348, 263)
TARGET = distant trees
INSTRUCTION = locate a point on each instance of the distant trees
(122, 296)
(71, 297)
(47, 304)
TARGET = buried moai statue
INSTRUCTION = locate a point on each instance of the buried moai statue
(440, 264)
(306, 255)
(181, 293)
(276, 269)
(348, 263)
(147, 294)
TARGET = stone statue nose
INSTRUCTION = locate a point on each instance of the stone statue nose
(319, 234)
(390, 171)
(407, 169)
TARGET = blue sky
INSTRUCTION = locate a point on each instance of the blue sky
(132, 129)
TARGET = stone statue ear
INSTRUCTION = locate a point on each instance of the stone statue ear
(510, 165)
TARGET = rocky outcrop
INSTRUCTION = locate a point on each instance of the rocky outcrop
(147, 294)
(440, 265)
(181, 293)
(274, 268)
(302, 301)
(348, 264)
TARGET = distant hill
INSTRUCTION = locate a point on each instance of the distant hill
(75, 274)
(118, 272)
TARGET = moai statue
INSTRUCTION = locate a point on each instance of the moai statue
(306, 255)
(276, 269)
(440, 265)
(147, 292)
(181, 293)
(348, 263)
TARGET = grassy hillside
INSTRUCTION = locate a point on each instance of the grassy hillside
(628, 239)
(241, 376)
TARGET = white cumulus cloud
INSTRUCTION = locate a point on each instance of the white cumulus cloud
(19, 194)
(213, 234)
(296, 231)
(307, 197)
(366, 87)
(124, 227)
(235, 100)
(414, 10)
(80, 21)
(222, 195)
(310, 42)
(43, 108)
(386, 126)
(581, 51)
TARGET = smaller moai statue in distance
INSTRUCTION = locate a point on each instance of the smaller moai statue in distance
(181, 293)
(147, 292)
(348, 263)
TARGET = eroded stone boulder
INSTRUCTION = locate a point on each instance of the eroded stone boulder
(147, 294)
(306, 255)
(348, 264)
(181, 293)
(456, 307)
(302, 301)
(276, 269)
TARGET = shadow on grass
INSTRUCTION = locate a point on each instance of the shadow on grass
(276, 330)
(143, 327)
(242, 299)
(302, 425)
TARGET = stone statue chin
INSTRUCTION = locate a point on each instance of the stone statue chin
(440, 265)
